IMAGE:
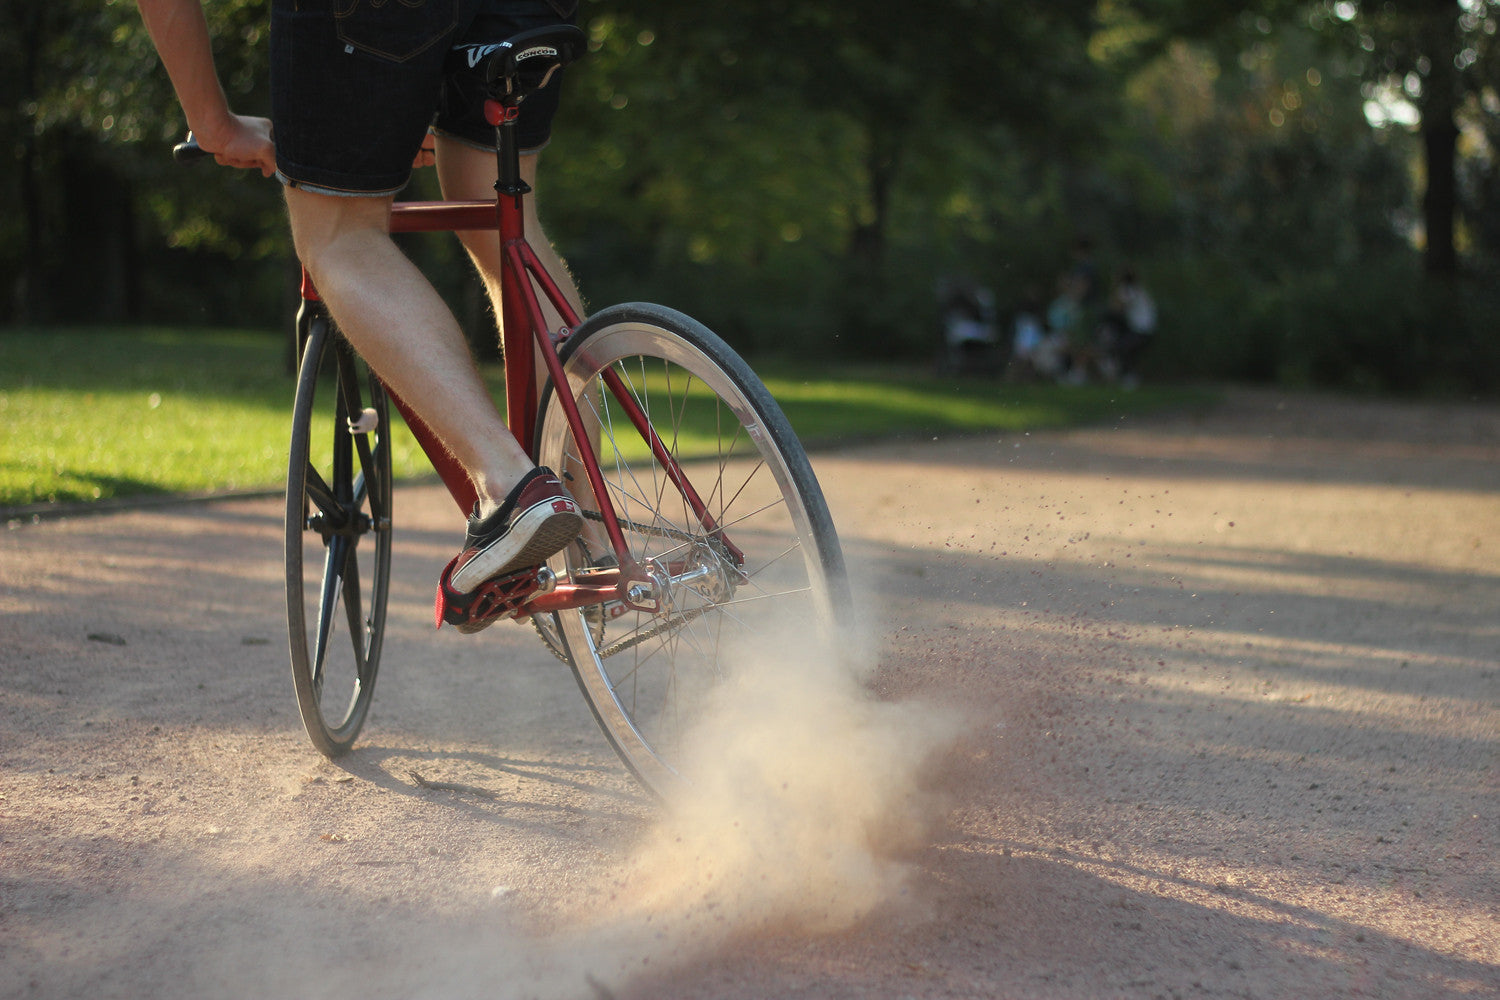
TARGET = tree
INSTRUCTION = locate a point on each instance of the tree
(93, 116)
(1439, 55)
(901, 73)
(884, 83)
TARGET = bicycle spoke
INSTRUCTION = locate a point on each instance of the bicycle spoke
(333, 573)
(353, 608)
(352, 403)
(359, 493)
(321, 494)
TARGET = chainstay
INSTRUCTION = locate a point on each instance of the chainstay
(673, 622)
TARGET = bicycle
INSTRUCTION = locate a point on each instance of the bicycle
(706, 529)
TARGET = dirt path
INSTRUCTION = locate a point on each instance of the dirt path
(1229, 691)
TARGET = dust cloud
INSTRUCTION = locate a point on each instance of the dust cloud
(805, 796)
(807, 801)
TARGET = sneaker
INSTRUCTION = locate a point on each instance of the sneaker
(536, 520)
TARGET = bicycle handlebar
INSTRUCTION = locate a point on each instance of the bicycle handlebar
(188, 151)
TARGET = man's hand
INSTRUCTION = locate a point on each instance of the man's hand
(180, 33)
(243, 142)
(427, 155)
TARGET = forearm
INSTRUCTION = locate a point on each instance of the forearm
(180, 33)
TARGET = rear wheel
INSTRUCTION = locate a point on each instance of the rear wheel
(338, 537)
(761, 563)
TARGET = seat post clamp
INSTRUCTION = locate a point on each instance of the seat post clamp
(499, 114)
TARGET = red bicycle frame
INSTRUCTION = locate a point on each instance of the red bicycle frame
(525, 337)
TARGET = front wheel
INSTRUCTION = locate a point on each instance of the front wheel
(743, 560)
(338, 537)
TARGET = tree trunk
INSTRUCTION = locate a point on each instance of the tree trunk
(867, 239)
(131, 271)
(30, 292)
(865, 318)
(1439, 37)
(1440, 203)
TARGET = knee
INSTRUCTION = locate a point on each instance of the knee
(327, 230)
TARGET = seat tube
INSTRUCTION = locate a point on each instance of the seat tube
(516, 334)
(520, 352)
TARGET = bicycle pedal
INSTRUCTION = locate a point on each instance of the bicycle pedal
(497, 598)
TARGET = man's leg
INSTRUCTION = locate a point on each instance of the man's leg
(468, 173)
(404, 330)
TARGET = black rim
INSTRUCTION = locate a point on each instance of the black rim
(338, 543)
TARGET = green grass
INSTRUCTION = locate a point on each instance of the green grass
(98, 414)
(851, 404)
(95, 414)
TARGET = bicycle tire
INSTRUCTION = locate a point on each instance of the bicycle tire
(644, 674)
(338, 538)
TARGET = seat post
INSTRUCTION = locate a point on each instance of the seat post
(507, 156)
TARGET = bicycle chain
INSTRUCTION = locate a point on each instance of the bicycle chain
(655, 630)
(628, 642)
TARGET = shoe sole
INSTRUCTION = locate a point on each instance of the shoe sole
(543, 530)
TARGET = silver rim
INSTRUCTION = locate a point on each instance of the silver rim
(648, 675)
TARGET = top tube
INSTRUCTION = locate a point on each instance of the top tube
(443, 216)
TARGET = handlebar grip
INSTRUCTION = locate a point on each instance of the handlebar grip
(188, 151)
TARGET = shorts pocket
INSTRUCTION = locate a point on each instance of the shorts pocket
(396, 30)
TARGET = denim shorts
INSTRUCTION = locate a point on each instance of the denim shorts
(356, 84)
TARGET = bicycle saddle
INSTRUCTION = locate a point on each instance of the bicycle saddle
(523, 63)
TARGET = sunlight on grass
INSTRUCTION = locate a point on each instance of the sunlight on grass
(95, 414)
(866, 404)
(99, 414)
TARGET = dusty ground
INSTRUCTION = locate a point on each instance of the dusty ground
(1230, 686)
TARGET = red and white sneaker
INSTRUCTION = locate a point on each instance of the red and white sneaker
(537, 519)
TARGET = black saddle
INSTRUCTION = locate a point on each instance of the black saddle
(523, 63)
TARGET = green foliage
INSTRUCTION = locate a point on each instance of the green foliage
(93, 118)
(1380, 324)
(740, 157)
(650, 197)
(1431, 59)
(1285, 248)
(803, 176)
(1270, 155)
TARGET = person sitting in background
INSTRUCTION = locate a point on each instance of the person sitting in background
(969, 334)
(1034, 351)
(1064, 322)
(1128, 328)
